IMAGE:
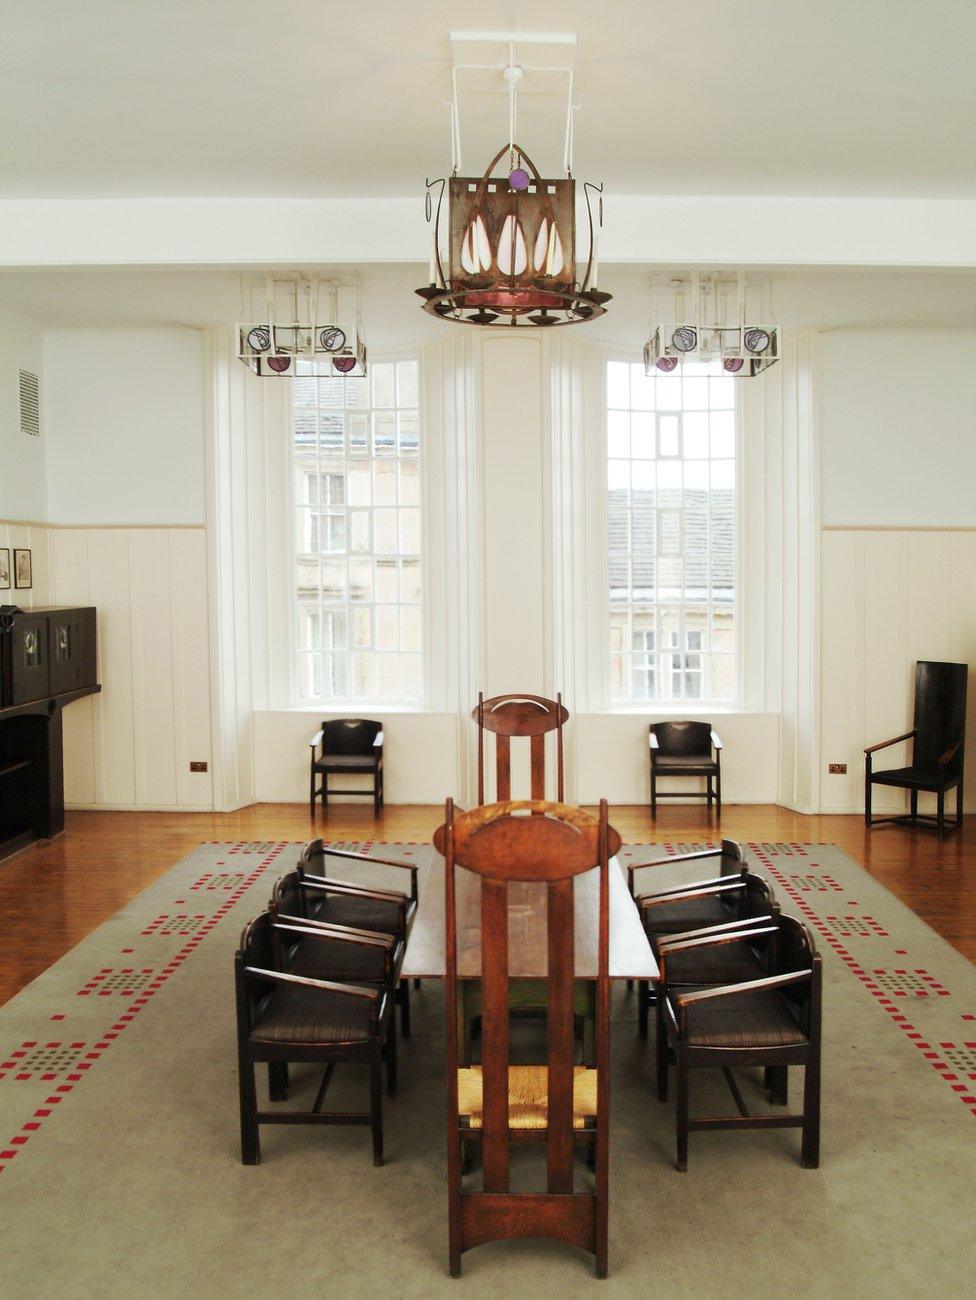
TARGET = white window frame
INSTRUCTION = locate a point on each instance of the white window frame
(667, 707)
(377, 704)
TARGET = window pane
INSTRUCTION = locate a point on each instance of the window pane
(359, 534)
(671, 533)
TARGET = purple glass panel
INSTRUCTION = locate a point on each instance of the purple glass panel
(279, 364)
(666, 363)
(732, 364)
(344, 364)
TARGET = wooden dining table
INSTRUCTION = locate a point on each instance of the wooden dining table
(630, 953)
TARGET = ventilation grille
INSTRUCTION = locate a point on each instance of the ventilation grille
(30, 420)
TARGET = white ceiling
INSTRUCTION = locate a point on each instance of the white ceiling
(318, 97)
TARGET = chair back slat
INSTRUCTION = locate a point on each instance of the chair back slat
(940, 713)
(494, 1031)
(561, 1036)
(520, 715)
(350, 736)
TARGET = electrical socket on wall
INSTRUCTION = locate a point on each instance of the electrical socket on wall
(837, 769)
(198, 767)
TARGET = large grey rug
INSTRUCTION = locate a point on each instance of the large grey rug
(119, 1142)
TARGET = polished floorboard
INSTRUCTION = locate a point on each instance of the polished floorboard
(53, 894)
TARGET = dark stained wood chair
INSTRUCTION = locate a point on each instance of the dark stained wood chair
(284, 1017)
(938, 738)
(772, 1021)
(686, 749)
(531, 717)
(353, 746)
(520, 715)
(500, 1103)
(343, 902)
(376, 959)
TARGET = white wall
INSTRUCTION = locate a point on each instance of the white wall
(124, 418)
(898, 421)
(23, 492)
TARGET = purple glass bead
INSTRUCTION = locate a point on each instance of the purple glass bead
(519, 179)
(733, 364)
(666, 363)
(344, 364)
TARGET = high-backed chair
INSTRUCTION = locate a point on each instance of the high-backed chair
(938, 738)
(531, 716)
(498, 1102)
(285, 1017)
(346, 745)
(772, 1021)
(690, 749)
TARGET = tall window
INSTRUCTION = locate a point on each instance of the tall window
(671, 507)
(358, 532)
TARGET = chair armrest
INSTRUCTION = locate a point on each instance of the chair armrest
(283, 977)
(750, 986)
(338, 933)
(316, 739)
(707, 941)
(652, 740)
(665, 941)
(895, 740)
(378, 742)
(326, 884)
(716, 743)
(663, 862)
(382, 862)
(724, 885)
(950, 753)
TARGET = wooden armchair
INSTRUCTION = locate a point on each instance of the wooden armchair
(343, 902)
(351, 745)
(285, 1017)
(501, 1103)
(686, 749)
(938, 739)
(772, 1021)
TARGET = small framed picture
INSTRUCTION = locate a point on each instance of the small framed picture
(4, 568)
(22, 568)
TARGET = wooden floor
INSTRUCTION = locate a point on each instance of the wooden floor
(52, 895)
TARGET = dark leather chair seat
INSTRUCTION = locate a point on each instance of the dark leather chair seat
(360, 913)
(344, 963)
(297, 1014)
(761, 1019)
(684, 914)
(686, 764)
(729, 963)
(346, 763)
(908, 777)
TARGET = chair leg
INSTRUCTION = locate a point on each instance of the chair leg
(377, 802)
(376, 1107)
(311, 792)
(867, 796)
(653, 794)
(940, 813)
(643, 1004)
(404, 999)
(778, 1083)
(278, 1080)
(959, 804)
(681, 1109)
(913, 804)
(661, 1047)
(416, 984)
(718, 792)
(250, 1139)
(810, 1150)
(391, 1056)
(324, 792)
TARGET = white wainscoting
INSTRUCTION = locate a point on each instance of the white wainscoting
(420, 755)
(889, 597)
(132, 745)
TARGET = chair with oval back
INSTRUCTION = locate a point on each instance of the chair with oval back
(500, 851)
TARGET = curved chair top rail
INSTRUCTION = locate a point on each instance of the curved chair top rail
(525, 839)
(520, 714)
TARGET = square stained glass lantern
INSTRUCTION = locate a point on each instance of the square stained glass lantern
(511, 249)
(302, 320)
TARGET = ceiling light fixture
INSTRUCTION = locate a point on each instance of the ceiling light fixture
(301, 326)
(707, 320)
(510, 257)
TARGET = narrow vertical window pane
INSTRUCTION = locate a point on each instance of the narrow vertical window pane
(358, 534)
(671, 533)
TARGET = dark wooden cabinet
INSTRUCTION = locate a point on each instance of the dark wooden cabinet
(47, 659)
